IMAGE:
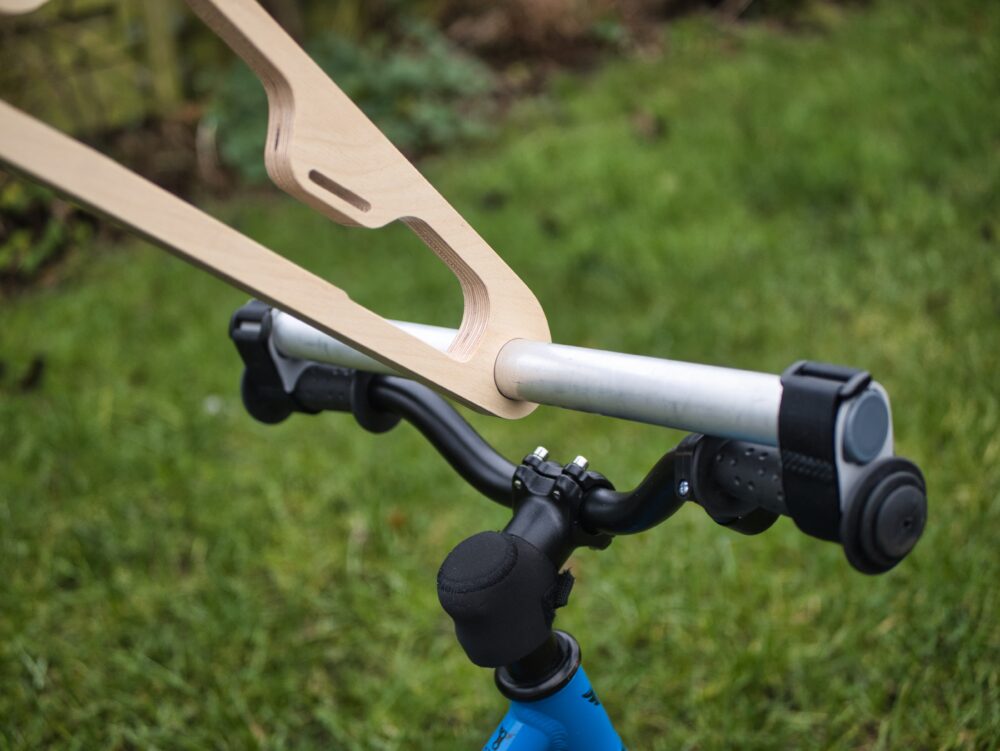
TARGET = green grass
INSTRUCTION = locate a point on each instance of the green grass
(176, 576)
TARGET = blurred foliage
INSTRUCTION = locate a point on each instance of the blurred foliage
(419, 89)
(178, 576)
(87, 66)
(36, 228)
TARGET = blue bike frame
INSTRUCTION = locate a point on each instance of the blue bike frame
(572, 719)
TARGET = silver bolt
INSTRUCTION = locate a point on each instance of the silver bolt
(541, 452)
(683, 488)
(581, 462)
(518, 484)
(557, 495)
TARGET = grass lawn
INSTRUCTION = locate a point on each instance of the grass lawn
(177, 576)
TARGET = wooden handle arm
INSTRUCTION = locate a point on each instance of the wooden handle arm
(324, 151)
(52, 158)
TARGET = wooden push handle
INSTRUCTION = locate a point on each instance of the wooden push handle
(324, 151)
(14, 7)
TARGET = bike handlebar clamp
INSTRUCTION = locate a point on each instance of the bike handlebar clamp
(502, 588)
(807, 424)
(840, 480)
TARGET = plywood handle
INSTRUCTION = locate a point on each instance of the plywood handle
(44, 154)
(14, 7)
(324, 151)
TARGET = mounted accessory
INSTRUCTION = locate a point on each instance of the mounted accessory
(823, 454)
(502, 588)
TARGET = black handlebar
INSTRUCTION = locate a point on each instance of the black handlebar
(502, 588)
(604, 510)
(740, 485)
(478, 463)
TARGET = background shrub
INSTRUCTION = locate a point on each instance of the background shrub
(418, 87)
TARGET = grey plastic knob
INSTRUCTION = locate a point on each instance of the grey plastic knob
(866, 427)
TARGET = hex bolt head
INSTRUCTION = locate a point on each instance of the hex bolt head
(683, 488)
(541, 452)
(581, 462)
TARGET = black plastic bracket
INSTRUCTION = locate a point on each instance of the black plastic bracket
(317, 387)
(263, 394)
(807, 422)
(548, 500)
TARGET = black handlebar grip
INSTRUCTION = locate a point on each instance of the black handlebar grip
(882, 518)
(751, 473)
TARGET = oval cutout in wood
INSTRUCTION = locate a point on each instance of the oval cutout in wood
(319, 142)
(339, 190)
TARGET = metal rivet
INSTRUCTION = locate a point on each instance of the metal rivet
(557, 495)
(683, 488)
(518, 484)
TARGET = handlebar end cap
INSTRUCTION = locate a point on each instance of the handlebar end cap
(885, 515)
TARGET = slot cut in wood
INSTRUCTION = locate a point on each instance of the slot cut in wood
(339, 190)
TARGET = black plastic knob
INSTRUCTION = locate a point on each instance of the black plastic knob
(267, 405)
(885, 515)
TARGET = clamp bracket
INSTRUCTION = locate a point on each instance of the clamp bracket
(811, 402)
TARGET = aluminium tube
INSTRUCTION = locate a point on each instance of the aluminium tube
(723, 402)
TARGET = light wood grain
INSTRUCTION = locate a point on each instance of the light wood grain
(13, 7)
(54, 159)
(325, 152)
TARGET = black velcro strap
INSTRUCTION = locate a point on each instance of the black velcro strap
(558, 595)
(811, 397)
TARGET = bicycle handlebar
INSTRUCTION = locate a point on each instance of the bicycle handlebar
(604, 510)
(834, 473)
(479, 464)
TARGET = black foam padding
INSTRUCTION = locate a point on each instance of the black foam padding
(501, 592)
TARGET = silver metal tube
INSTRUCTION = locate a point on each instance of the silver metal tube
(718, 401)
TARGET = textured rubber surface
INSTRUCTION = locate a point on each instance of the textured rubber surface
(751, 473)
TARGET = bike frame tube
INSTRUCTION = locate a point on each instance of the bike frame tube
(572, 719)
(723, 402)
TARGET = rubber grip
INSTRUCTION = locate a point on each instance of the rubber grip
(750, 472)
